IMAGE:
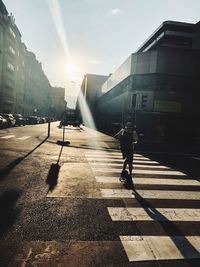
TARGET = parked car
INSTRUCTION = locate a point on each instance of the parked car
(9, 118)
(42, 119)
(3, 122)
(20, 120)
(33, 120)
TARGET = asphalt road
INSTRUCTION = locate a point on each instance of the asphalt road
(64, 205)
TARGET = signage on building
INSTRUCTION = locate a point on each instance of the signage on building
(167, 106)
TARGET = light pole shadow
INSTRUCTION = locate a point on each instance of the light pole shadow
(52, 177)
(5, 172)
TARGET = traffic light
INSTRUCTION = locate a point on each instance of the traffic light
(144, 101)
(134, 101)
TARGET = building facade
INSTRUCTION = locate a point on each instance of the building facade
(58, 105)
(89, 93)
(24, 87)
(158, 86)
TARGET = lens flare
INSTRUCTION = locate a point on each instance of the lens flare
(85, 112)
(72, 69)
(57, 18)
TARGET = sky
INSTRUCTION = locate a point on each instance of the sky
(74, 37)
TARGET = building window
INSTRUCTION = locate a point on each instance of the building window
(12, 32)
(10, 66)
(11, 49)
(1, 36)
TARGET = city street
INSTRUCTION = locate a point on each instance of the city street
(65, 206)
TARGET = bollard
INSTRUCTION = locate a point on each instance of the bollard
(49, 124)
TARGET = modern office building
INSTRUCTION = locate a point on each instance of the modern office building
(90, 92)
(158, 86)
(91, 88)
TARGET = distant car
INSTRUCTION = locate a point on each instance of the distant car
(9, 118)
(42, 120)
(33, 120)
(3, 122)
(20, 120)
(69, 122)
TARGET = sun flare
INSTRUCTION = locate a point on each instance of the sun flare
(72, 71)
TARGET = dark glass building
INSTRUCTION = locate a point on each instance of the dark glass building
(158, 87)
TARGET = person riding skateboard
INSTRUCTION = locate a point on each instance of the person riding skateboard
(127, 137)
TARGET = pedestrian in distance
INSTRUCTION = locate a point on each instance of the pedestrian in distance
(127, 137)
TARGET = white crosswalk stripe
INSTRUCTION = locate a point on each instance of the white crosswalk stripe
(104, 160)
(7, 137)
(150, 247)
(23, 137)
(151, 194)
(195, 158)
(158, 172)
(150, 181)
(93, 164)
(17, 138)
(108, 156)
(149, 214)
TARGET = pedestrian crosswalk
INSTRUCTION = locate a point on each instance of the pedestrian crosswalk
(157, 184)
(14, 137)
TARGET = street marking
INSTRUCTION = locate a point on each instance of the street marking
(105, 153)
(23, 137)
(155, 214)
(116, 193)
(150, 248)
(195, 158)
(146, 162)
(27, 258)
(167, 172)
(103, 156)
(93, 164)
(92, 159)
(150, 194)
(109, 155)
(149, 181)
(7, 136)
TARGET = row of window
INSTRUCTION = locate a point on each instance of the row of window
(12, 50)
(11, 66)
(12, 32)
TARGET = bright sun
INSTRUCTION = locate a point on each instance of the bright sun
(72, 71)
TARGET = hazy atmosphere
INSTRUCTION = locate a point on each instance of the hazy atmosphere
(100, 133)
(71, 38)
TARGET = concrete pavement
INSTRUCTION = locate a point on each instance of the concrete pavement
(75, 212)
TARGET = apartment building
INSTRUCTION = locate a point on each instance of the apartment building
(24, 87)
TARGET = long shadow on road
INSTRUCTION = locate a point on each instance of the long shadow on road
(183, 163)
(5, 172)
(52, 177)
(8, 212)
